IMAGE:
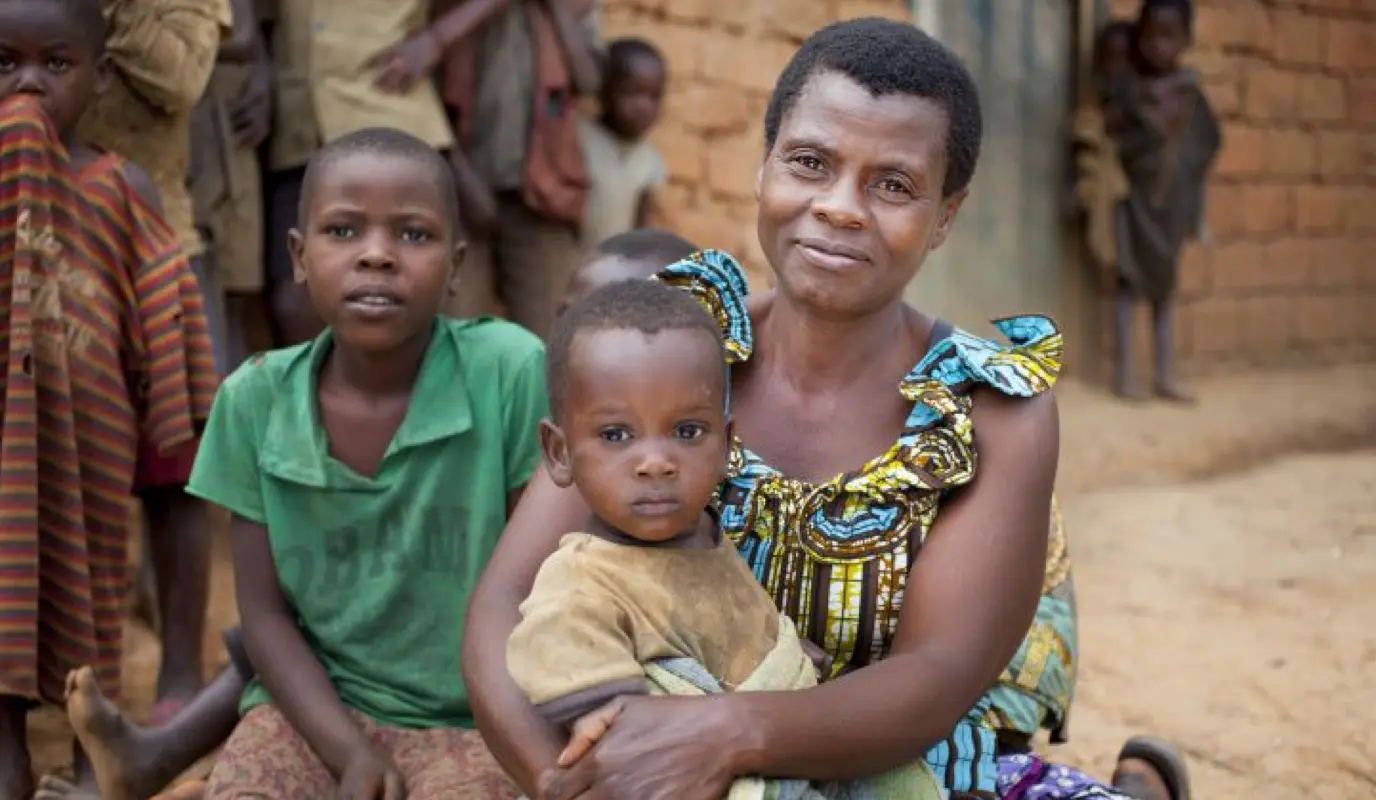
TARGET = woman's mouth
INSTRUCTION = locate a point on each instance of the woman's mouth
(831, 256)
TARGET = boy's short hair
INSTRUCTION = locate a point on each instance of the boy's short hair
(888, 57)
(88, 19)
(390, 143)
(1185, 8)
(647, 244)
(647, 306)
(621, 52)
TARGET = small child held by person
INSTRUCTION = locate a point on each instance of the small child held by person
(651, 598)
(369, 474)
(106, 344)
(624, 166)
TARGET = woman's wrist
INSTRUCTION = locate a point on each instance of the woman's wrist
(745, 732)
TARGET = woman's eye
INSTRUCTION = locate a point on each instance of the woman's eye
(894, 186)
(809, 162)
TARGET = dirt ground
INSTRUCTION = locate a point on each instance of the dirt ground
(1224, 559)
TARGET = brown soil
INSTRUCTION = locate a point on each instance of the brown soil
(1224, 558)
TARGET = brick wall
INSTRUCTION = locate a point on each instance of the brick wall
(1292, 208)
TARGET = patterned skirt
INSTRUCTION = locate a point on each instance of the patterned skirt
(1030, 777)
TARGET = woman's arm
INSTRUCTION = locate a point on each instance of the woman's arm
(523, 743)
(289, 671)
(969, 602)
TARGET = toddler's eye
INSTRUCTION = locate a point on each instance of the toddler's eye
(614, 435)
(688, 431)
(338, 231)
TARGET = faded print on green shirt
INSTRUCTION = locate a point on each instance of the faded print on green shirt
(378, 570)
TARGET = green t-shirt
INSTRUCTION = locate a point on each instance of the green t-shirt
(378, 570)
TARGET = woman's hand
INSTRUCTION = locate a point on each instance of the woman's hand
(661, 748)
(404, 64)
(371, 775)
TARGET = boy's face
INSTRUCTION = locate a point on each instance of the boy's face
(633, 97)
(1163, 39)
(601, 270)
(643, 433)
(44, 53)
(376, 249)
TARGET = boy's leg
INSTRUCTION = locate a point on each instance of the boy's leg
(265, 757)
(293, 318)
(1163, 335)
(179, 541)
(447, 764)
(16, 776)
(535, 256)
(129, 762)
(1123, 382)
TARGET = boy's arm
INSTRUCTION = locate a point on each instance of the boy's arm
(226, 473)
(166, 49)
(299, 687)
(463, 19)
(242, 45)
(645, 208)
(584, 68)
(477, 204)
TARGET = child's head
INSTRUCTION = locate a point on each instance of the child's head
(376, 243)
(635, 254)
(1164, 30)
(637, 385)
(54, 50)
(633, 88)
(1113, 51)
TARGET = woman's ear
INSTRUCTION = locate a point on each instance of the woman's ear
(950, 209)
(556, 451)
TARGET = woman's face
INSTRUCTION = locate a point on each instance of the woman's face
(851, 195)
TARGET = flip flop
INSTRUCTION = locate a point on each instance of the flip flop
(1167, 760)
(163, 711)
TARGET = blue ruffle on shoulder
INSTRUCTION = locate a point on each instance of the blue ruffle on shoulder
(717, 281)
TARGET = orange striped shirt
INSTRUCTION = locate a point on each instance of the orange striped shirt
(103, 338)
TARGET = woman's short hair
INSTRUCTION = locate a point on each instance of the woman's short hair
(889, 57)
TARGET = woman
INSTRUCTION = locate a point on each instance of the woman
(872, 134)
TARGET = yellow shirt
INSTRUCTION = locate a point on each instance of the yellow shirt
(325, 86)
(163, 52)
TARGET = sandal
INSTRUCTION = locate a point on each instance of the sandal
(1165, 758)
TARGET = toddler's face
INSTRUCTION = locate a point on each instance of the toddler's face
(633, 97)
(1163, 39)
(644, 428)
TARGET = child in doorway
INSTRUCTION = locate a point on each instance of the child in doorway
(107, 344)
(1168, 138)
(624, 167)
(353, 552)
(132, 762)
(1100, 184)
(651, 598)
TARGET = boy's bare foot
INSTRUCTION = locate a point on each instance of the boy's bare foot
(55, 788)
(111, 742)
(1130, 391)
(1170, 390)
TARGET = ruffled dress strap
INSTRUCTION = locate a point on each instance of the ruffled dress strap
(717, 282)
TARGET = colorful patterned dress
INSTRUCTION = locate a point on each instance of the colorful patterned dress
(835, 556)
(102, 339)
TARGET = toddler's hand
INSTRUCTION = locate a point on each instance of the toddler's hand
(587, 731)
(371, 775)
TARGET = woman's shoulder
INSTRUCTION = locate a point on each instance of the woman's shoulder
(1027, 363)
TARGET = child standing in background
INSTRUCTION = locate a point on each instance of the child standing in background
(624, 167)
(162, 53)
(105, 344)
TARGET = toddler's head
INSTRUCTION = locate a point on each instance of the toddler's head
(633, 88)
(54, 50)
(637, 254)
(637, 384)
(1164, 30)
(1113, 52)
